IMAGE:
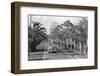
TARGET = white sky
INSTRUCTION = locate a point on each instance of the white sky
(48, 21)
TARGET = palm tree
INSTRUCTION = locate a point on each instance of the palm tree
(84, 34)
(62, 33)
(36, 35)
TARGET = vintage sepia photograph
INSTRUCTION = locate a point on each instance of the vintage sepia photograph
(57, 37)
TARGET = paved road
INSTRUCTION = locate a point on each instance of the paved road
(47, 56)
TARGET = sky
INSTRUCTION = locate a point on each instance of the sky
(49, 21)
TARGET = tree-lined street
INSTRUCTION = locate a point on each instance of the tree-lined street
(64, 41)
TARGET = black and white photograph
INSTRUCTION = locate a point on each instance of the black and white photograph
(52, 37)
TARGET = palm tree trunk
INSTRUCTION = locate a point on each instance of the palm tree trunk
(80, 48)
